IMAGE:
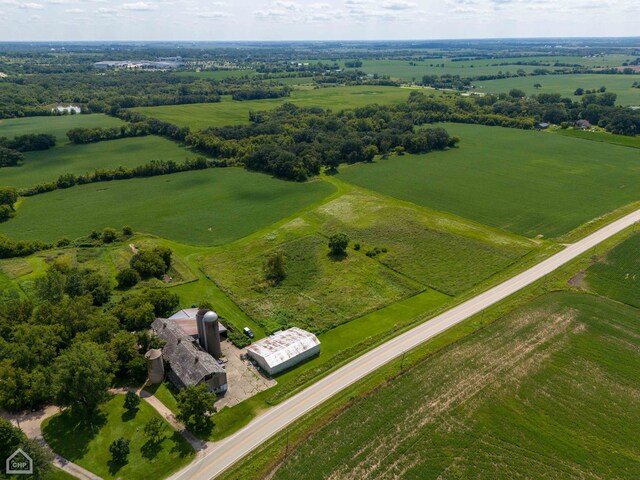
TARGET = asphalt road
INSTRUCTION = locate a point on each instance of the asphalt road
(221, 455)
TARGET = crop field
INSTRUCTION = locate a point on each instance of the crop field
(87, 443)
(548, 391)
(48, 165)
(567, 84)
(58, 125)
(207, 207)
(617, 275)
(530, 183)
(424, 250)
(229, 112)
(602, 137)
(471, 68)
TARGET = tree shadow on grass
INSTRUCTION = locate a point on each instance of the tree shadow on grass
(115, 466)
(70, 432)
(152, 448)
(337, 257)
(129, 415)
(180, 445)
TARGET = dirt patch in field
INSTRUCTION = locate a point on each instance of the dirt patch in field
(578, 280)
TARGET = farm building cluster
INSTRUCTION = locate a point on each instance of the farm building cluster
(196, 352)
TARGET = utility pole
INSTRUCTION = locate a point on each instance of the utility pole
(402, 361)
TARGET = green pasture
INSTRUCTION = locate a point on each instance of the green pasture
(207, 207)
(424, 250)
(530, 183)
(602, 137)
(548, 391)
(567, 84)
(229, 112)
(48, 165)
(617, 274)
(55, 125)
(86, 442)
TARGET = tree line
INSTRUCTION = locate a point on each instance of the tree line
(11, 150)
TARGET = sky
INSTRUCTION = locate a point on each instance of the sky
(227, 20)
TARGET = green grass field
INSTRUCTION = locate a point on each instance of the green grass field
(425, 250)
(567, 84)
(470, 68)
(602, 137)
(58, 126)
(549, 391)
(229, 112)
(617, 275)
(207, 207)
(79, 159)
(88, 445)
(530, 183)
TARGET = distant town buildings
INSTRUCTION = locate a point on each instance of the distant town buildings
(163, 63)
(66, 109)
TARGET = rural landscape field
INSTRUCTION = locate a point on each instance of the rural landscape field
(199, 240)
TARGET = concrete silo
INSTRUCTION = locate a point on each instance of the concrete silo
(155, 366)
(200, 326)
(212, 334)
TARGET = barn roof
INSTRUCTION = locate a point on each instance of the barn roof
(190, 364)
(186, 320)
(282, 346)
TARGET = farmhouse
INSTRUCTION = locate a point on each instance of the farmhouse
(189, 364)
(283, 350)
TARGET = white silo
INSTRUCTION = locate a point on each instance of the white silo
(212, 334)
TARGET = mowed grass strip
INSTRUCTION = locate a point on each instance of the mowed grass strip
(86, 442)
(47, 166)
(208, 207)
(55, 125)
(530, 183)
(566, 85)
(229, 112)
(602, 137)
(617, 275)
(549, 391)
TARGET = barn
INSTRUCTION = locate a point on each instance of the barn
(284, 349)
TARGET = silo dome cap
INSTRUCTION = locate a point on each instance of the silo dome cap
(210, 317)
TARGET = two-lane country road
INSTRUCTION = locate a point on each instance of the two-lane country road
(223, 454)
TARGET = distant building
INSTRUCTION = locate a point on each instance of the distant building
(283, 350)
(584, 124)
(139, 64)
(189, 364)
(542, 126)
(66, 109)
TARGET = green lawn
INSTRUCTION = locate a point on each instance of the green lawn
(549, 391)
(567, 84)
(207, 207)
(58, 125)
(618, 274)
(88, 445)
(602, 137)
(229, 112)
(165, 393)
(58, 474)
(527, 182)
(79, 159)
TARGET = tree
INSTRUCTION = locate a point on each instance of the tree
(51, 287)
(195, 406)
(127, 231)
(274, 267)
(127, 278)
(131, 401)
(82, 375)
(109, 235)
(9, 157)
(119, 449)
(12, 438)
(517, 93)
(8, 196)
(338, 244)
(537, 86)
(153, 430)
(579, 91)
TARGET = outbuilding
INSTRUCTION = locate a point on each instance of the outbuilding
(284, 349)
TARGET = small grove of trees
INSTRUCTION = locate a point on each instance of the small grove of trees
(195, 407)
(152, 263)
(12, 438)
(274, 268)
(92, 135)
(30, 142)
(338, 244)
(8, 198)
(10, 158)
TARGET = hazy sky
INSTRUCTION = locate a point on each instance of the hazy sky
(317, 19)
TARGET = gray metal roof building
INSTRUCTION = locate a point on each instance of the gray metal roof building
(186, 320)
(189, 364)
(283, 350)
